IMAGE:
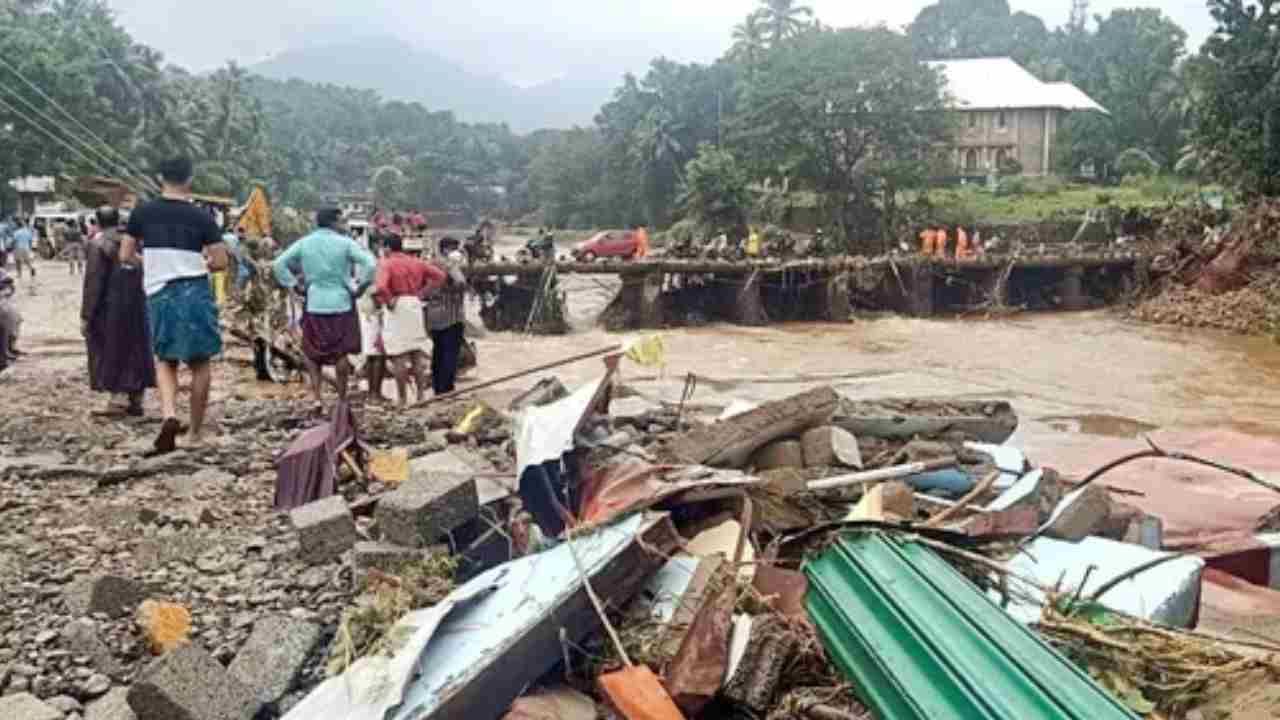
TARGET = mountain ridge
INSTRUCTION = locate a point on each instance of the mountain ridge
(399, 71)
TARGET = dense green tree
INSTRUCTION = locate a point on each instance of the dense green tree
(653, 125)
(1237, 133)
(851, 114)
(1132, 70)
(717, 196)
(567, 180)
(977, 28)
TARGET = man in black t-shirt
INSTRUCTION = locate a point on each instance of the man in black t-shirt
(180, 245)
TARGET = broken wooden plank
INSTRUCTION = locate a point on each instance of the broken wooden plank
(730, 443)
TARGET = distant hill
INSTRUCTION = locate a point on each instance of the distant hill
(399, 71)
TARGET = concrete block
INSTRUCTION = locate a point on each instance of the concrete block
(778, 455)
(830, 446)
(112, 706)
(423, 510)
(325, 528)
(25, 706)
(272, 659)
(1080, 514)
(188, 684)
(81, 638)
(386, 557)
(730, 443)
(111, 594)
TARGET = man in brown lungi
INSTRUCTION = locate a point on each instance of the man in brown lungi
(337, 271)
(114, 322)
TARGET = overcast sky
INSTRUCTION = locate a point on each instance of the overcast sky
(524, 41)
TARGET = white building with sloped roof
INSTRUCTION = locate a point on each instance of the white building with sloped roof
(1006, 114)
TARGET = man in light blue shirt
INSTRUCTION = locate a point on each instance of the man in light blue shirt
(336, 271)
(23, 240)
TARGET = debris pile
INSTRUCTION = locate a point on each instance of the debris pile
(1229, 281)
(583, 551)
(1253, 309)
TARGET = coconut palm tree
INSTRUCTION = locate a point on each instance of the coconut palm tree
(749, 40)
(784, 19)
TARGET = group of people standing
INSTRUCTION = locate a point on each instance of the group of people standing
(934, 242)
(412, 299)
(148, 306)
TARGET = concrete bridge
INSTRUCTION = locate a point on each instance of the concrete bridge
(757, 292)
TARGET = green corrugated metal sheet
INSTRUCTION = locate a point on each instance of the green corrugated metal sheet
(921, 642)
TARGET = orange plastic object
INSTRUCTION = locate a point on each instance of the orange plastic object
(637, 694)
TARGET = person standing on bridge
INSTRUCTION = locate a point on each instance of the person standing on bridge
(330, 324)
(642, 241)
(401, 283)
(179, 244)
(113, 322)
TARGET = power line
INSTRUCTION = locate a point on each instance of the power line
(96, 164)
(118, 157)
(105, 161)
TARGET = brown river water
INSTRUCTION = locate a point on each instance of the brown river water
(1091, 373)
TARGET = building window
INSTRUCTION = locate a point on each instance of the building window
(973, 120)
(1001, 159)
(971, 160)
(1002, 122)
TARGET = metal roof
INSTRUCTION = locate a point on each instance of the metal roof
(1002, 84)
(920, 642)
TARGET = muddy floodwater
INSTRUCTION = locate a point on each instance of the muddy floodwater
(1067, 374)
(1091, 373)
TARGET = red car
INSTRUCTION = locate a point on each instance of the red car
(608, 244)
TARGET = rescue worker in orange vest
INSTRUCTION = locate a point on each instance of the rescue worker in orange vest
(926, 241)
(964, 251)
(642, 241)
(940, 242)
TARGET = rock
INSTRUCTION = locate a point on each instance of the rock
(314, 578)
(164, 625)
(829, 446)
(272, 659)
(436, 441)
(110, 594)
(81, 638)
(1080, 514)
(383, 556)
(325, 528)
(780, 454)
(25, 706)
(188, 684)
(427, 507)
(112, 706)
(97, 684)
(188, 485)
(65, 704)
